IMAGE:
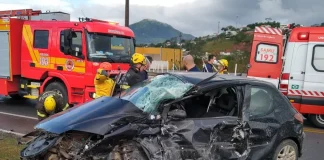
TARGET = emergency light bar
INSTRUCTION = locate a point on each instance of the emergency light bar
(303, 36)
(96, 20)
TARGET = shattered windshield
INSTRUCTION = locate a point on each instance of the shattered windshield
(109, 48)
(148, 94)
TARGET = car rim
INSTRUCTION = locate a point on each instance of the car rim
(320, 118)
(287, 153)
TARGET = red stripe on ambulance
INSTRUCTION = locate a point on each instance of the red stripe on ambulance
(268, 30)
(306, 93)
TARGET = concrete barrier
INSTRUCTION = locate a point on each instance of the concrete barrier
(159, 66)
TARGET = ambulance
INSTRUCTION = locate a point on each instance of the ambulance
(293, 62)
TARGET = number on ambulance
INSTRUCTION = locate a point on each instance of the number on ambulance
(267, 53)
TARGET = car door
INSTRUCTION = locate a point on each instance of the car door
(265, 119)
(206, 137)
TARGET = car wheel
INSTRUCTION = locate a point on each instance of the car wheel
(317, 120)
(287, 150)
(60, 88)
(128, 150)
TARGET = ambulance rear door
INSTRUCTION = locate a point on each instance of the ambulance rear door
(266, 53)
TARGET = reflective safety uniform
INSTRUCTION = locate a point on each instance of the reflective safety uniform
(42, 104)
(223, 72)
(133, 76)
(104, 85)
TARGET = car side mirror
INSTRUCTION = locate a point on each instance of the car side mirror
(134, 41)
(68, 41)
(177, 114)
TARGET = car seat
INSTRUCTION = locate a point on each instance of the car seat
(221, 105)
(226, 103)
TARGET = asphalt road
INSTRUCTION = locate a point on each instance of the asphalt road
(20, 117)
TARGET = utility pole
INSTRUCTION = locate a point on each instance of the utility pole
(180, 37)
(236, 20)
(218, 28)
(127, 13)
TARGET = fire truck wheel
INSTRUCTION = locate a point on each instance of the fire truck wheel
(17, 97)
(317, 120)
(57, 86)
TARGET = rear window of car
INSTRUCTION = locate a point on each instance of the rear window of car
(267, 53)
(261, 102)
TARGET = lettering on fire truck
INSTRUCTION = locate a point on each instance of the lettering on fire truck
(115, 31)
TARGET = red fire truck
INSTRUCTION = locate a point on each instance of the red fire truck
(55, 54)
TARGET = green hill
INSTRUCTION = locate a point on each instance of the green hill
(151, 31)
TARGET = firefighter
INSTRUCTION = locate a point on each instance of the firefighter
(49, 103)
(104, 85)
(223, 66)
(133, 75)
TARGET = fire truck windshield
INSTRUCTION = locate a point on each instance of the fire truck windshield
(109, 48)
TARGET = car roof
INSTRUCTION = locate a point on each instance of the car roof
(197, 77)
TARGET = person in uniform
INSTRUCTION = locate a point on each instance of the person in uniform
(223, 66)
(104, 86)
(134, 73)
(49, 103)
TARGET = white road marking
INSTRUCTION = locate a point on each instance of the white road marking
(17, 115)
(10, 132)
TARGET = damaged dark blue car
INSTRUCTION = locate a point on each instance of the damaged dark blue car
(176, 116)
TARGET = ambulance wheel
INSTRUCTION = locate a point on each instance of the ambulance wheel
(317, 120)
(57, 86)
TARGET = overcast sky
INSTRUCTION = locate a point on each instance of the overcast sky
(197, 17)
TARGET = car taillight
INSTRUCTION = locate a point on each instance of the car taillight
(299, 118)
(285, 76)
(283, 87)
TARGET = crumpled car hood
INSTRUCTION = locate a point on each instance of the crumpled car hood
(98, 116)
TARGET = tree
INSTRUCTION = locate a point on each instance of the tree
(224, 29)
(273, 24)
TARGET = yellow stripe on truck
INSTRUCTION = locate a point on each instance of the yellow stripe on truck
(28, 43)
(62, 61)
(79, 66)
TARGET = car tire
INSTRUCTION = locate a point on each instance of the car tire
(57, 86)
(286, 146)
(128, 150)
(317, 120)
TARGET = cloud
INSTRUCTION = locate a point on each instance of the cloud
(197, 17)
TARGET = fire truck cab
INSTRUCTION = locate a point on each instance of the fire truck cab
(41, 55)
(302, 71)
